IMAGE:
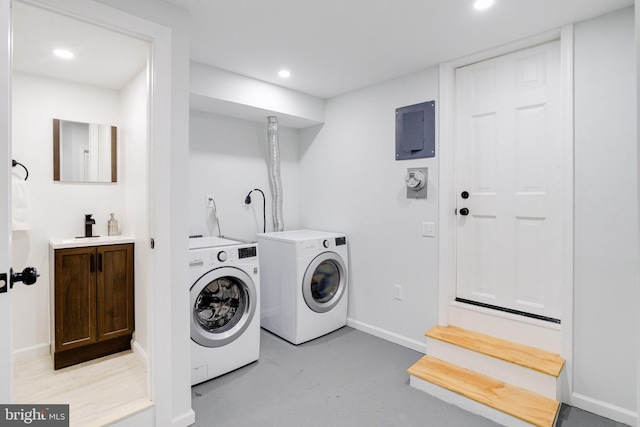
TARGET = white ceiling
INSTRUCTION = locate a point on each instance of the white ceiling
(330, 46)
(335, 46)
(104, 58)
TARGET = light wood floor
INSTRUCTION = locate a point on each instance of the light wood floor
(99, 392)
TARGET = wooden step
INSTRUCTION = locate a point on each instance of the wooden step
(528, 357)
(517, 402)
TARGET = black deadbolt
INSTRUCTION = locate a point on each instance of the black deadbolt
(464, 211)
(465, 195)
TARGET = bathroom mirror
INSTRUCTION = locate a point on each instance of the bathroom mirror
(84, 152)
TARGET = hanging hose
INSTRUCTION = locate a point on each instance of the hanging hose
(274, 173)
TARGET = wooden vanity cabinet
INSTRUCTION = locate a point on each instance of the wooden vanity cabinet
(93, 302)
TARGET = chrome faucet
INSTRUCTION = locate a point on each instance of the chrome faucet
(88, 225)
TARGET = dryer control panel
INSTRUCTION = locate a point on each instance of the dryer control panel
(312, 246)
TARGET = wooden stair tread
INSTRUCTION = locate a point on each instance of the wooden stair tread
(529, 357)
(517, 402)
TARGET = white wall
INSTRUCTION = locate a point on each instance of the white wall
(606, 217)
(168, 26)
(232, 95)
(353, 184)
(58, 207)
(133, 146)
(228, 158)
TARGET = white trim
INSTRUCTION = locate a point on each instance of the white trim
(159, 323)
(142, 356)
(506, 48)
(501, 370)
(566, 77)
(467, 404)
(446, 139)
(31, 352)
(507, 326)
(386, 335)
(604, 409)
(637, 31)
(446, 195)
(185, 419)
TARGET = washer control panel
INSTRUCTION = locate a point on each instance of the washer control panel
(212, 257)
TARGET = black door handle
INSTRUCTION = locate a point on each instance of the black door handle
(464, 211)
(28, 276)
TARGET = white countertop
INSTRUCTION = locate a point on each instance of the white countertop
(78, 242)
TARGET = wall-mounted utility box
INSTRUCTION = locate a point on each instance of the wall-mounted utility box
(416, 131)
(416, 183)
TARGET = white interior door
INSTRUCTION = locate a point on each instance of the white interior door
(509, 161)
(6, 350)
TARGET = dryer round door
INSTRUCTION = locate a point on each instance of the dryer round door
(325, 282)
(223, 303)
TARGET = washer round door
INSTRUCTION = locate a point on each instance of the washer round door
(223, 303)
(325, 282)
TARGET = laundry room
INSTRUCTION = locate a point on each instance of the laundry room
(339, 176)
(195, 160)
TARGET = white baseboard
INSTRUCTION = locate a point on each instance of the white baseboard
(184, 419)
(389, 336)
(142, 354)
(31, 352)
(604, 409)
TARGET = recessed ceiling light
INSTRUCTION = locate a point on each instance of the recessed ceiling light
(62, 53)
(482, 4)
(284, 73)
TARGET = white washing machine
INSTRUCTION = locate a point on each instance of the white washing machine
(304, 283)
(225, 306)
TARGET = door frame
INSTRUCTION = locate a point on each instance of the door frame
(6, 336)
(447, 196)
(160, 271)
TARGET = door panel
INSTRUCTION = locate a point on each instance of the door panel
(75, 298)
(115, 291)
(6, 341)
(509, 159)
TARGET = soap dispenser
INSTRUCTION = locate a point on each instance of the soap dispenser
(112, 226)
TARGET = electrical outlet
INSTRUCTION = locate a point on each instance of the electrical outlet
(209, 203)
(429, 229)
(397, 292)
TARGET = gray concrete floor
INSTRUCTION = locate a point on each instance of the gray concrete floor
(347, 378)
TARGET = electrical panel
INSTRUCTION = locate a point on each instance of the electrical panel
(416, 131)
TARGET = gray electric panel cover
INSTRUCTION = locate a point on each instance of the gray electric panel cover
(416, 131)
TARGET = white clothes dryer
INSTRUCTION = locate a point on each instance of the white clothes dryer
(225, 306)
(304, 276)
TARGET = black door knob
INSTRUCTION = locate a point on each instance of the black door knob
(28, 276)
(464, 195)
(464, 211)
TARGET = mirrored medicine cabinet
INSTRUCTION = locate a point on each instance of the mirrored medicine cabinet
(84, 152)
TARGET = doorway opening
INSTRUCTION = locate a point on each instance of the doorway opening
(106, 83)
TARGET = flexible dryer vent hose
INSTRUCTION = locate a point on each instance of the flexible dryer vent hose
(274, 173)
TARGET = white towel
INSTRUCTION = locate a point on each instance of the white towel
(21, 215)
